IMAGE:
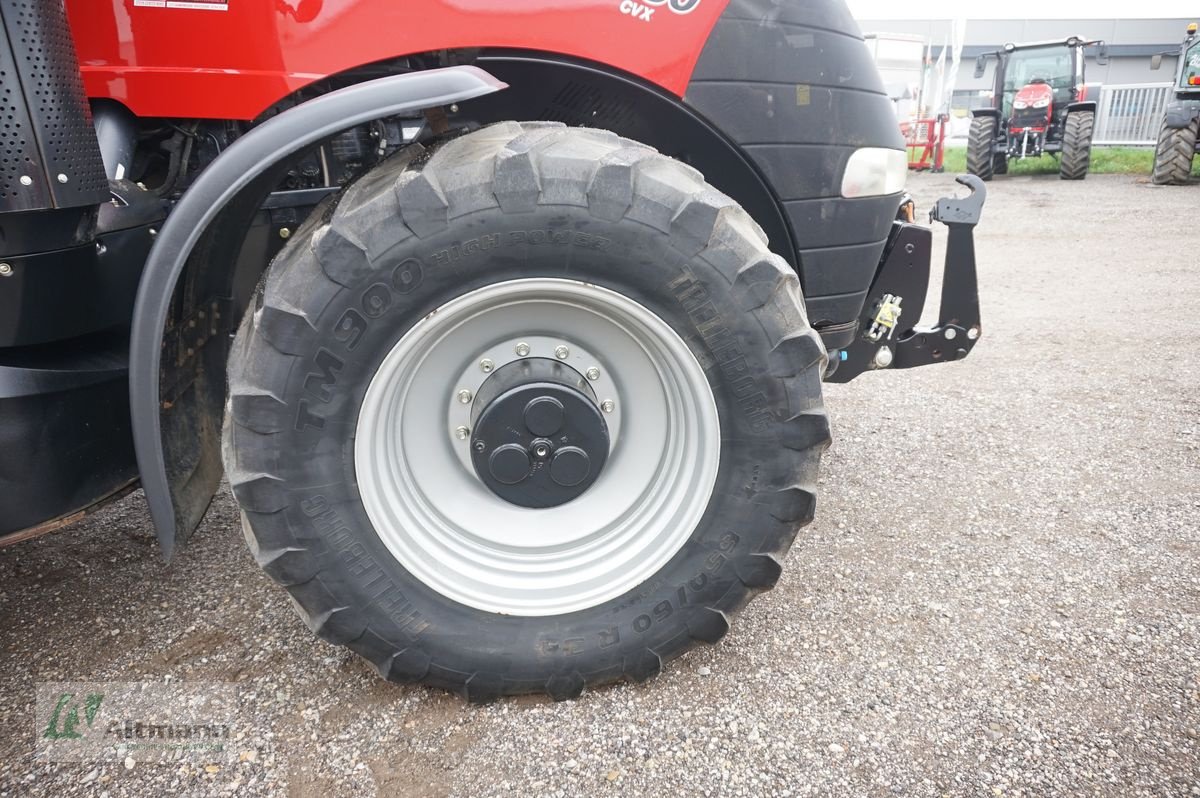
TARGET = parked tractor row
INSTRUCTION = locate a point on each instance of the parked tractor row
(1043, 105)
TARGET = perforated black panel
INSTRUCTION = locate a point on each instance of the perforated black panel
(58, 119)
(18, 150)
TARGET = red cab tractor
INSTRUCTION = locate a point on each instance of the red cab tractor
(1040, 105)
(506, 325)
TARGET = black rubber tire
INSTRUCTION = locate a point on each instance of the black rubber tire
(672, 242)
(1077, 145)
(1174, 154)
(981, 160)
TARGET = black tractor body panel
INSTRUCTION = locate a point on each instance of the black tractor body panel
(72, 248)
(65, 438)
(795, 88)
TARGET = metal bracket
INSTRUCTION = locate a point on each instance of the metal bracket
(905, 274)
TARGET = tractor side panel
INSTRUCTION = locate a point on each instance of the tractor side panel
(795, 87)
(232, 60)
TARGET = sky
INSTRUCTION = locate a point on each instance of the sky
(1064, 9)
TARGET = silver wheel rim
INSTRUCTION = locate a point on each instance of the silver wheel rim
(454, 535)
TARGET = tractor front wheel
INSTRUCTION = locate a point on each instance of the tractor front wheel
(981, 158)
(1077, 145)
(1174, 154)
(531, 411)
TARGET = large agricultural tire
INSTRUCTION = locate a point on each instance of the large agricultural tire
(981, 159)
(347, 383)
(1077, 145)
(1174, 154)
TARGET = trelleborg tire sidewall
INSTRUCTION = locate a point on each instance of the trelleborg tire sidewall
(414, 279)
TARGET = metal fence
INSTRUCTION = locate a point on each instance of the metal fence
(1130, 114)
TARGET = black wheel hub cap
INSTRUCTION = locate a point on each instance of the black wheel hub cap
(539, 439)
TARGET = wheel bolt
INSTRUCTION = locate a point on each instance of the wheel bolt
(464, 396)
(486, 365)
(608, 405)
(561, 352)
(593, 374)
(462, 433)
(522, 350)
(950, 333)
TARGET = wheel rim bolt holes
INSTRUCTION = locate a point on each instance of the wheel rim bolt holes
(522, 350)
(608, 405)
(486, 365)
(462, 433)
(593, 374)
(464, 396)
(561, 352)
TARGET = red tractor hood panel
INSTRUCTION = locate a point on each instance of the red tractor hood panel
(234, 59)
(1033, 93)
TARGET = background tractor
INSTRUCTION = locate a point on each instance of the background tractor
(507, 330)
(1040, 105)
(1180, 132)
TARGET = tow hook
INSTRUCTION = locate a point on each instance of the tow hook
(900, 288)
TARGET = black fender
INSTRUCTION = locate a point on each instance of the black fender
(992, 112)
(1181, 113)
(178, 482)
(1086, 105)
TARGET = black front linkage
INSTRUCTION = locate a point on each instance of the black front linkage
(899, 292)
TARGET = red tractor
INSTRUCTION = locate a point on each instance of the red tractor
(513, 322)
(1040, 105)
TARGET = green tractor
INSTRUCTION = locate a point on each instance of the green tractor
(1177, 139)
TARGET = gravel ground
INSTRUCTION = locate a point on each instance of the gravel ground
(999, 595)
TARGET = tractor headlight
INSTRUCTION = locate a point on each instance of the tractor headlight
(1042, 103)
(875, 172)
(1020, 105)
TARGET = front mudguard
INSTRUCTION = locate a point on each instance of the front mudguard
(178, 443)
(1181, 113)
